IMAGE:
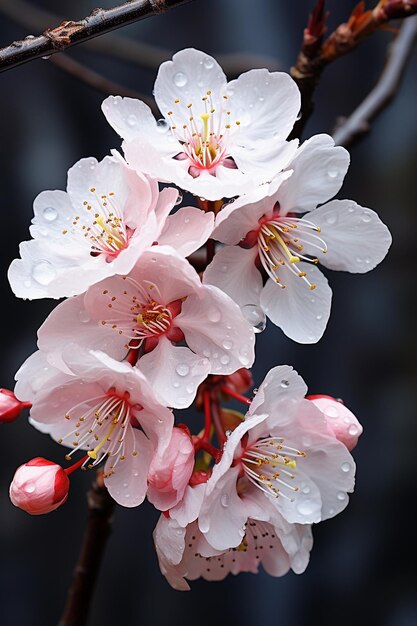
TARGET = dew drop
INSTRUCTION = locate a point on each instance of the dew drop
(204, 524)
(125, 485)
(84, 316)
(366, 217)
(319, 317)
(127, 495)
(224, 360)
(244, 359)
(214, 315)
(305, 507)
(332, 172)
(353, 430)
(261, 99)
(305, 489)
(27, 283)
(179, 200)
(175, 384)
(43, 272)
(208, 64)
(180, 79)
(285, 384)
(227, 344)
(224, 268)
(131, 120)
(29, 487)
(182, 369)
(341, 496)
(225, 500)
(345, 467)
(331, 411)
(228, 433)
(49, 214)
(162, 125)
(135, 474)
(190, 388)
(255, 316)
(359, 259)
(331, 218)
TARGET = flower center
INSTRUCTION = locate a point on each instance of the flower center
(137, 314)
(205, 139)
(284, 242)
(267, 465)
(101, 225)
(100, 427)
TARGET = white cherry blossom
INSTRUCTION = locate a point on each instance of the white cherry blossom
(217, 139)
(271, 254)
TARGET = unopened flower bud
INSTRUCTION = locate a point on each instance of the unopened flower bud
(10, 406)
(340, 421)
(169, 474)
(39, 486)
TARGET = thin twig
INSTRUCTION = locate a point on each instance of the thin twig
(71, 33)
(358, 123)
(313, 59)
(96, 80)
(128, 49)
(99, 524)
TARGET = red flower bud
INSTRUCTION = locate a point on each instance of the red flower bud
(10, 406)
(39, 486)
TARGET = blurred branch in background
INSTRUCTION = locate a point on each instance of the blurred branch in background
(99, 525)
(349, 130)
(126, 49)
(317, 53)
(70, 33)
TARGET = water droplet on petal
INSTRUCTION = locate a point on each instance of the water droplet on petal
(27, 283)
(341, 496)
(319, 317)
(331, 411)
(224, 500)
(204, 524)
(43, 272)
(353, 430)
(359, 259)
(29, 487)
(175, 384)
(178, 201)
(255, 316)
(331, 218)
(84, 316)
(261, 99)
(131, 120)
(162, 125)
(285, 384)
(332, 172)
(227, 344)
(214, 315)
(224, 360)
(180, 79)
(182, 369)
(190, 388)
(305, 507)
(346, 467)
(208, 63)
(366, 217)
(305, 489)
(49, 214)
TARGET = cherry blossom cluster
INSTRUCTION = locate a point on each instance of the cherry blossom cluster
(157, 316)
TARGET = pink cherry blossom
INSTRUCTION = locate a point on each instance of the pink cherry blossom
(98, 228)
(271, 255)
(218, 139)
(184, 553)
(170, 472)
(155, 309)
(39, 486)
(99, 408)
(281, 455)
(340, 421)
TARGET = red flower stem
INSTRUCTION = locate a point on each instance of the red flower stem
(75, 466)
(218, 426)
(207, 416)
(205, 445)
(234, 394)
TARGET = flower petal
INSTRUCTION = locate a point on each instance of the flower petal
(174, 373)
(301, 314)
(233, 270)
(187, 230)
(357, 240)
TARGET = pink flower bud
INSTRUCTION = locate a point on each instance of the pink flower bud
(10, 406)
(169, 473)
(39, 486)
(340, 421)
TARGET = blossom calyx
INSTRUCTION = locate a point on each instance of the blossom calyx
(39, 486)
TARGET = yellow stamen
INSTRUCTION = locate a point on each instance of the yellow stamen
(205, 117)
(291, 257)
(111, 232)
(93, 453)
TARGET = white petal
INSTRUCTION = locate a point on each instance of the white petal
(265, 159)
(214, 327)
(233, 270)
(319, 168)
(300, 312)
(188, 510)
(187, 230)
(265, 103)
(127, 483)
(104, 177)
(174, 373)
(187, 78)
(357, 240)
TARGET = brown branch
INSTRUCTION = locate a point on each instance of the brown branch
(316, 54)
(358, 124)
(128, 49)
(99, 524)
(97, 81)
(71, 33)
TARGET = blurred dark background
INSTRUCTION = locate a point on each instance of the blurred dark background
(363, 562)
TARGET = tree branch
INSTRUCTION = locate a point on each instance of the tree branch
(316, 54)
(71, 33)
(358, 124)
(99, 524)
